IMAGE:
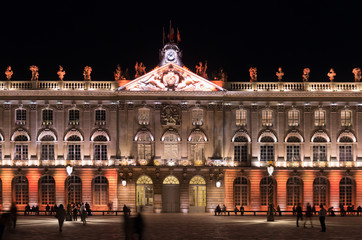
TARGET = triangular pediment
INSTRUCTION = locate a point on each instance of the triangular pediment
(170, 77)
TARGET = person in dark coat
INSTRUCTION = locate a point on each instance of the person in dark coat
(60, 214)
(139, 225)
(13, 214)
(308, 215)
(322, 218)
(75, 213)
(299, 212)
(47, 209)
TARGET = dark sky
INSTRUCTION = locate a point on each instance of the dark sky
(314, 34)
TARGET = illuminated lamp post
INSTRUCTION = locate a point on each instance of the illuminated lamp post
(270, 215)
(69, 170)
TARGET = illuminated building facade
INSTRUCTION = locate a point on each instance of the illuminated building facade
(173, 141)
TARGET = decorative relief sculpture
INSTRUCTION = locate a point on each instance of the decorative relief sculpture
(87, 73)
(171, 79)
(8, 73)
(34, 72)
(140, 69)
(61, 73)
(280, 74)
(331, 74)
(357, 74)
(201, 70)
(170, 115)
(305, 76)
(253, 71)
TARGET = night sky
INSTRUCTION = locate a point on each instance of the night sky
(262, 34)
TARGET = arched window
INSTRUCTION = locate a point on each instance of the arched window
(319, 149)
(197, 195)
(74, 150)
(346, 191)
(47, 148)
(171, 180)
(47, 190)
(320, 191)
(170, 150)
(74, 189)
(100, 148)
(47, 117)
(264, 190)
(294, 191)
(20, 190)
(197, 147)
(293, 118)
(241, 191)
(144, 191)
(100, 190)
(21, 147)
(267, 150)
(345, 149)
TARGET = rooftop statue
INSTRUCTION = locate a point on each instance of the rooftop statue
(220, 75)
(331, 74)
(357, 74)
(201, 70)
(8, 73)
(253, 71)
(61, 73)
(306, 72)
(34, 72)
(140, 69)
(117, 73)
(87, 73)
(280, 74)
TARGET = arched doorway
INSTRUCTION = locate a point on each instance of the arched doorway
(144, 193)
(171, 194)
(197, 194)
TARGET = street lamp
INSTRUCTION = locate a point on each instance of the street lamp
(69, 170)
(270, 215)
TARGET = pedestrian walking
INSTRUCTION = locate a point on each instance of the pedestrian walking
(13, 214)
(83, 214)
(75, 213)
(139, 224)
(299, 212)
(60, 214)
(308, 215)
(322, 217)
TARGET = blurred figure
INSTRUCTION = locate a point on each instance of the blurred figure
(47, 209)
(13, 214)
(75, 213)
(236, 210)
(242, 210)
(278, 210)
(308, 215)
(127, 224)
(5, 221)
(322, 218)
(224, 209)
(139, 224)
(83, 213)
(299, 214)
(60, 214)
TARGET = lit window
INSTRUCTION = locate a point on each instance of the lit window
(241, 191)
(143, 116)
(197, 152)
(320, 191)
(267, 118)
(293, 153)
(320, 118)
(47, 190)
(73, 117)
(144, 191)
(293, 118)
(75, 186)
(319, 150)
(100, 152)
(21, 149)
(47, 115)
(240, 117)
(264, 190)
(144, 147)
(197, 117)
(345, 153)
(346, 191)
(197, 194)
(294, 191)
(346, 118)
(240, 149)
(100, 117)
(170, 150)
(100, 186)
(20, 116)
(21, 190)
(47, 152)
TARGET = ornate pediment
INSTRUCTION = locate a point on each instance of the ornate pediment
(170, 77)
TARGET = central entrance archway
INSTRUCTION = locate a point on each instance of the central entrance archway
(171, 194)
(144, 193)
(197, 194)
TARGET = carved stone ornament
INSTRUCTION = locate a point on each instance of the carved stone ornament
(171, 77)
(170, 115)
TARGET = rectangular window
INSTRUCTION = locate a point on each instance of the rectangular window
(241, 153)
(319, 118)
(73, 117)
(21, 152)
(197, 152)
(20, 117)
(47, 152)
(267, 118)
(47, 117)
(171, 150)
(74, 152)
(266, 153)
(346, 118)
(197, 117)
(240, 117)
(100, 152)
(319, 153)
(293, 153)
(293, 118)
(144, 151)
(100, 117)
(345, 153)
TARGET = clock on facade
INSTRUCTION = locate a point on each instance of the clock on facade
(170, 55)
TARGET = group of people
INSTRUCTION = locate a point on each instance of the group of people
(81, 209)
(308, 215)
(34, 210)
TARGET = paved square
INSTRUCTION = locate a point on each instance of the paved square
(188, 226)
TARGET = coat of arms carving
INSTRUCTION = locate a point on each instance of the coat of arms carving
(170, 115)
